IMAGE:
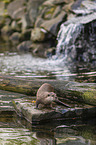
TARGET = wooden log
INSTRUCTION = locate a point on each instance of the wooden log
(81, 92)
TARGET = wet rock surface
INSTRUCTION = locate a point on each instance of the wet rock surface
(6, 100)
(27, 109)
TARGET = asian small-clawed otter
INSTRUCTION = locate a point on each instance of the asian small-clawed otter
(45, 96)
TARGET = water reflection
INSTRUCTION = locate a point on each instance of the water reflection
(73, 132)
(15, 130)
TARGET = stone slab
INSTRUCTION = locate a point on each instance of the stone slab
(25, 108)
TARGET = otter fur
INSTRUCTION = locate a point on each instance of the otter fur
(45, 95)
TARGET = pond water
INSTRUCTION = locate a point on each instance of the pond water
(25, 65)
(15, 130)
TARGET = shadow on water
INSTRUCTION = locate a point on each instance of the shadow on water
(15, 130)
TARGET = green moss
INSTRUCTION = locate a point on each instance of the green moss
(6, 1)
(50, 12)
(90, 97)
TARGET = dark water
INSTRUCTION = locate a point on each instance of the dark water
(14, 130)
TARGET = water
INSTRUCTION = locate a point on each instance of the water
(27, 66)
(17, 131)
(77, 39)
(12, 132)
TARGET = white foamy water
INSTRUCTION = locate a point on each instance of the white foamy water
(27, 65)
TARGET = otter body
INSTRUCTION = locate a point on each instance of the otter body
(45, 95)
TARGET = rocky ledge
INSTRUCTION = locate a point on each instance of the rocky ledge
(25, 108)
(80, 98)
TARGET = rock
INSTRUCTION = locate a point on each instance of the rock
(6, 100)
(38, 21)
(26, 109)
(2, 7)
(72, 91)
(53, 25)
(50, 51)
(15, 26)
(84, 7)
(26, 34)
(6, 30)
(38, 35)
(33, 8)
(39, 49)
(16, 9)
(24, 46)
(68, 8)
(78, 38)
(49, 3)
(90, 5)
(15, 37)
(56, 12)
(26, 22)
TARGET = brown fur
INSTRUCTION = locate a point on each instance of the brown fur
(45, 95)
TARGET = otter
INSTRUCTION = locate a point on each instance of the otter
(46, 96)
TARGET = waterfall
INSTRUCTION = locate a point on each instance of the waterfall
(77, 38)
(67, 37)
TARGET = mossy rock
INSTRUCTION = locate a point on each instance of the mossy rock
(38, 35)
(90, 96)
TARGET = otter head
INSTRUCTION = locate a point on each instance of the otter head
(51, 96)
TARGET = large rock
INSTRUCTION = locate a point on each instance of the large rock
(26, 34)
(2, 7)
(15, 37)
(39, 49)
(77, 39)
(33, 8)
(72, 91)
(25, 107)
(16, 9)
(52, 25)
(56, 2)
(24, 46)
(2, 19)
(38, 35)
(26, 22)
(51, 16)
(6, 31)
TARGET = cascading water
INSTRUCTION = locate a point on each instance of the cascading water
(77, 39)
(67, 37)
